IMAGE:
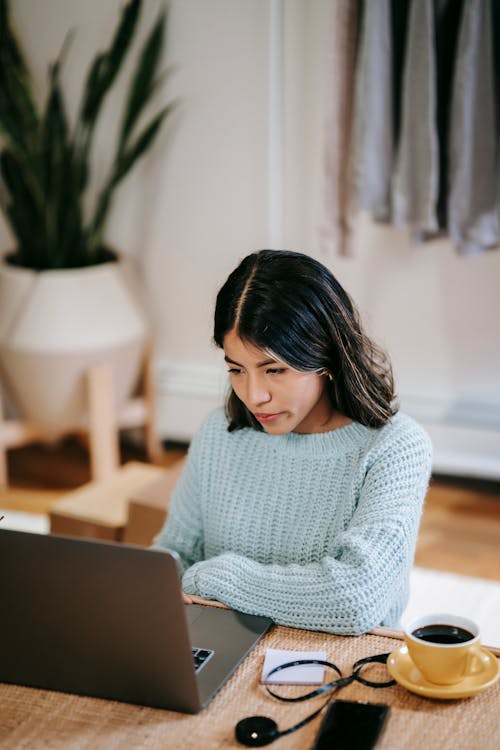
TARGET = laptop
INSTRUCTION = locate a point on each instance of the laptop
(108, 620)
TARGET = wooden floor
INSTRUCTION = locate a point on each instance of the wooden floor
(460, 529)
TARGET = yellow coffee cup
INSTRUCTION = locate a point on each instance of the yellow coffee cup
(445, 648)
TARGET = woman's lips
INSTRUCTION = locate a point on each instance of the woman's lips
(267, 418)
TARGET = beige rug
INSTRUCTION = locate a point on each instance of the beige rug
(476, 598)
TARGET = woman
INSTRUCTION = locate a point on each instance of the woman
(302, 501)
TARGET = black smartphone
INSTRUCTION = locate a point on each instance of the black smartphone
(348, 725)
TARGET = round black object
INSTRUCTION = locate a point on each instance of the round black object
(256, 731)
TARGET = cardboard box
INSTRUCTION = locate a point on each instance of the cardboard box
(148, 507)
(99, 509)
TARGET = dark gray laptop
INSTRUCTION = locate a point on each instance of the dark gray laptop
(108, 620)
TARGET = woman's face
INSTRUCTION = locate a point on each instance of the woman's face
(282, 399)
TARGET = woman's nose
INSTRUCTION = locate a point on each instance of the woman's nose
(257, 392)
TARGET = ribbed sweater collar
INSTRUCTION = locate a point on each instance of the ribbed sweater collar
(342, 438)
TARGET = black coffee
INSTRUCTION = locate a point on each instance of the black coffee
(443, 634)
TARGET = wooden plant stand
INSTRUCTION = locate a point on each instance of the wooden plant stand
(101, 427)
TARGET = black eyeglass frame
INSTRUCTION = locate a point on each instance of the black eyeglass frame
(335, 684)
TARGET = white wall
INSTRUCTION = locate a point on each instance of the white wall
(201, 200)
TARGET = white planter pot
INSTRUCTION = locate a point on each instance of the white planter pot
(55, 325)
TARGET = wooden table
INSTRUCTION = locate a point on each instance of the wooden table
(36, 719)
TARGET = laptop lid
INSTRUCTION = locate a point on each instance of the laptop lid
(108, 620)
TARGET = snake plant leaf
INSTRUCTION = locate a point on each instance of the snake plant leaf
(107, 65)
(122, 166)
(23, 209)
(92, 94)
(54, 130)
(143, 81)
(45, 160)
(9, 45)
(141, 144)
(18, 111)
(12, 171)
(57, 156)
(64, 219)
(101, 76)
(17, 123)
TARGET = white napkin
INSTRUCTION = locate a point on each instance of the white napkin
(303, 674)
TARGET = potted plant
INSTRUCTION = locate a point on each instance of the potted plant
(65, 298)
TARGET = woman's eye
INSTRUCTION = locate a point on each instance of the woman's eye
(234, 371)
(276, 370)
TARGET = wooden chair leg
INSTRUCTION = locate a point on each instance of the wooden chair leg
(3, 450)
(153, 447)
(103, 427)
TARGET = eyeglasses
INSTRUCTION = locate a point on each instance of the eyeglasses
(361, 666)
(256, 731)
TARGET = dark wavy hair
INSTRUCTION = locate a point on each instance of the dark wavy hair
(292, 306)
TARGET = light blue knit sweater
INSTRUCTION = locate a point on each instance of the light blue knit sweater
(315, 531)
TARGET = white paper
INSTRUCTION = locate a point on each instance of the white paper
(303, 674)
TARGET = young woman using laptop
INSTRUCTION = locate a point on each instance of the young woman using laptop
(302, 499)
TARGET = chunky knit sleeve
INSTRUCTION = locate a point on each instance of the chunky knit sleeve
(365, 569)
(182, 531)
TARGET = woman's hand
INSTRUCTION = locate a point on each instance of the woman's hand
(186, 598)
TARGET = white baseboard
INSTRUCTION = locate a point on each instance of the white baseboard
(465, 435)
(185, 395)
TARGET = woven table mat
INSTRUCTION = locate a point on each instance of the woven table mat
(37, 719)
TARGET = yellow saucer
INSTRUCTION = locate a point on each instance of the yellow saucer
(404, 671)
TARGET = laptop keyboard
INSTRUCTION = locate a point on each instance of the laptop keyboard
(200, 657)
